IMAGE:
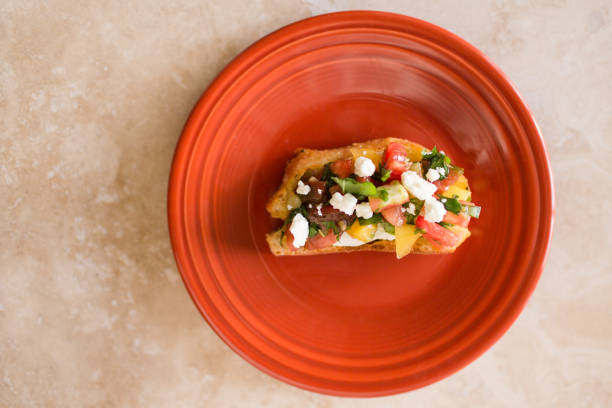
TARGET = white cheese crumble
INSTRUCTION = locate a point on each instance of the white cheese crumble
(411, 209)
(289, 207)
(345, 203)
(299, 230)
(440, 171)
(434, 210)
(302, 188)
(432, 175)
(417, 186)
(319, 191)
(382, 234)
(347, 241)
(364, 210)
(319, 206)
(364, 167)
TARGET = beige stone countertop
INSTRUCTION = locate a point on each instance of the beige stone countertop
(93, 96)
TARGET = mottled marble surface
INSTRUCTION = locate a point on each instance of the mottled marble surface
(92, 100)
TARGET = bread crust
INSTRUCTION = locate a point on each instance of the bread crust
(306, 159)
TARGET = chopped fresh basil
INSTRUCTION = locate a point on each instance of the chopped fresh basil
(327, 174)
(445, 224)
(331, 225)
(354, 187)
(473, 211)
(382, 173)
(382, 194)
(437, 160)
(313, 230)
(388, 227)
(374, 219)
(451, 204)
(418, 205)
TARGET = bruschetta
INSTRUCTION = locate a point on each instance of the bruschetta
(388, 195)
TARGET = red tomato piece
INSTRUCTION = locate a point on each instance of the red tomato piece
(318, 241)
(375, 203)
(456, 219)
(289, 236)
(364, 179)
(394, 215)
(436, 232)
(342, 168)
(451, 179)
(433, 243)
(395, 160)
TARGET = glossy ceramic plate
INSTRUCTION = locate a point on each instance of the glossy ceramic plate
(360, 324)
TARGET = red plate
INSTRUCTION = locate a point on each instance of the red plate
(361, 324)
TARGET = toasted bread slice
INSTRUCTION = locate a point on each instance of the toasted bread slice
(306, 159)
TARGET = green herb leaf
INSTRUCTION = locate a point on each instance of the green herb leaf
(374, 219)
(451, 204)
(473, 211)
(445, 224)
(418, 205)
(354, 187)
(437, 160)
(327, 174)
(313, 230)
(382, 194)
(419, 231)
(382, 173)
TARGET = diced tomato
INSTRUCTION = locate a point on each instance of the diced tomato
(289, 236)
(451, 179)
(342, 168)
(395, 160)
(318, 241)
(433, 243)
(394, 215)
(436, 232)
(456, 219)
(364, 179)
(375, 203)
(462, 202)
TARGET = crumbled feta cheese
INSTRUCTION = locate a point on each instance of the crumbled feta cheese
(319, 191)
(411, 209)
(382, 234)
(440, 171)
(289, 207)
(299, 230)
(364, 167)
(346, 240)
(364, 210)
(434, 210)
(309, 205)
(302, 188)
(443, 200)
(319, 206)
(417, 186)
(432, 175)
(345, 203)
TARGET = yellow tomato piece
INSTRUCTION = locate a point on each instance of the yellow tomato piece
(363, 233)
(414, 154)
(374, 155)
(461, 193)
(461, 182)
(405, 237)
